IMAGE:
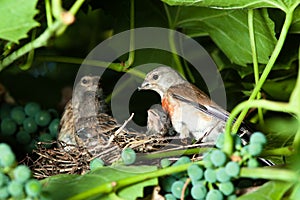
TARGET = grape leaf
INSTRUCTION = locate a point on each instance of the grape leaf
(229, 30)
(71, 185)
(16, 19)
(270, 190)
(232, 4)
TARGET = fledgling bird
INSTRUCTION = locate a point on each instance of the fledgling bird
(158, 122)
(191, 111)
(84, 121)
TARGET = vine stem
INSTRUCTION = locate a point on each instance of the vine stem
(41, 40)
(116, 185)
(268, 68)
(270, 174)
(254, 58)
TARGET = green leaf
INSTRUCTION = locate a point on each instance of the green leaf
(16, 19)
(230, 4)
(271, 190)
(295, 26)
(229, 30)
(66, 186)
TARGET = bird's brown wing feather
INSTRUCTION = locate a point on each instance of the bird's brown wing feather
(190, 94)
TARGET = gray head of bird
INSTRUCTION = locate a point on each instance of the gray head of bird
(161, 79)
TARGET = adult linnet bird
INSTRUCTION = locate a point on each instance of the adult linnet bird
(192, 112)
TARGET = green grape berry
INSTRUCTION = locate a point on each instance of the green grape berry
(226, 188)
(15, 189)
(232, 169)
(198, 191)
(222, 175)
(170, 197)
(42, 118)
(210, 175)
(4, 194)
(30, 125)
(182, 160)
(255, 149)
(53, 127)
(238, 142)
(8, 127)
(2, 179)
(33, 188)
(32, 108)
(21, 173)
(214, 195)
(7, 157)
(18, 115)
(128, 156)
(258, 137)
(176, 188)
(23, 137)
(165, 163)
(167, 182)
(220, 141)
(218, 157)
(252, 163)
(96, 163)
(207, 160)
(195, 172)
(232, 197)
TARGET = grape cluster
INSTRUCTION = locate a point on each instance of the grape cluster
(29, 124)
(213, 179)
(16, 181)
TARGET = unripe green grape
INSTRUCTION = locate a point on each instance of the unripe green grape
(7, 157)
(255, 149)
(258, 137)
(18, 115)
(96, 163)
(42, 118)
(222, 175)
(182, 160)
(210, 175)
(232, 169)
(128, 156)
(214, 195)
(32, 108)
(195, 172)
(226, 188)
(15, 189)
(53, 127)
(252, 163)
(33, 188)
(166, 183)
(238, 142)
(207, 160)
(176, 188)
(245, 150)
(8, 127)
(232, 197)
(169, 197)
(23, 137)
(218, 157)
(198, 191)
(196, 182)
(220, 141)
(22, 173)
(165, 163)
(4, 194)
(2, 179)
(30, 125)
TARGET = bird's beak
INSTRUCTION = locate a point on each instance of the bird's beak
(145, 86)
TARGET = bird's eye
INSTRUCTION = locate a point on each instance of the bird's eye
(155, 76)
(84, 81)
